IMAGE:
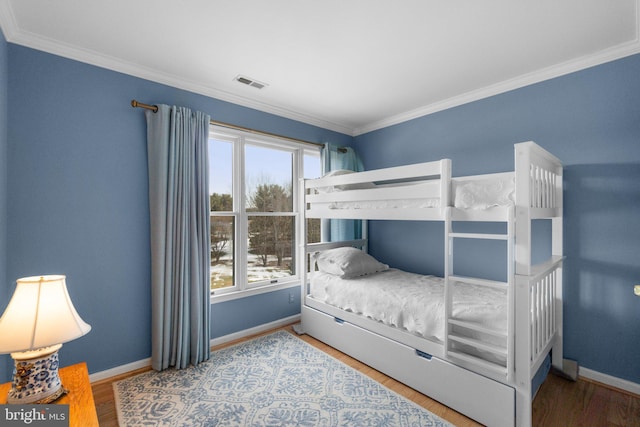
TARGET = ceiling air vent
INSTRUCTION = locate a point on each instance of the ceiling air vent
(250, 82)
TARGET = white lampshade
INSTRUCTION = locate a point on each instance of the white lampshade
(40, 314)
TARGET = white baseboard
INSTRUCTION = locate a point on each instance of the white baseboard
(118, 370)
(123, 369)
(609, 380)
(256, 330)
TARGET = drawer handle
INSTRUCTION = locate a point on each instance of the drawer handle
(423, 354)
(340, 321)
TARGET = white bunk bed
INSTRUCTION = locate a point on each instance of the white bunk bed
(482, 371)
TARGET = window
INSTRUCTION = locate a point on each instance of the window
(253, 186)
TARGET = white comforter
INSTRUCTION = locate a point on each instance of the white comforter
(483, 193)
(411, 301)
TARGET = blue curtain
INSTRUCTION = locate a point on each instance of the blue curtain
(335, 158)
(177, 150)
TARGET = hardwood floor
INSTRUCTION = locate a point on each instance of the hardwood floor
(559, 402)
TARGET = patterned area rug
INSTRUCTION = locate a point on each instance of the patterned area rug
(273, 380)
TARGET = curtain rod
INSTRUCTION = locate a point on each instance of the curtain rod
(154, 108)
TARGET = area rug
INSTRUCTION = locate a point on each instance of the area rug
(273, 380)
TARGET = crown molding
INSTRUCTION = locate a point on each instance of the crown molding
(568, 67)
(13, 34)
(616, 52)
(34, 41)
(8, 24)
(104, 61)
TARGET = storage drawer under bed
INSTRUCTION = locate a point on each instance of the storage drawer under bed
(478, 397)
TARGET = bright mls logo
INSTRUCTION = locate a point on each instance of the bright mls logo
(34, 415)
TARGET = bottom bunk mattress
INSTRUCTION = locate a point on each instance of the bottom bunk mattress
(414, 302)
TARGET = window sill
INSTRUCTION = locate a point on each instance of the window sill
(228, 296)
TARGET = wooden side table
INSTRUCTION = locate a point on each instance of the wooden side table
(82, 409)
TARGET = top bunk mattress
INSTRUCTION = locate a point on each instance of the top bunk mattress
(470, 193)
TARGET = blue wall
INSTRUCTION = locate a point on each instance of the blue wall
(4, 71)
(591, 121)
(78, 204)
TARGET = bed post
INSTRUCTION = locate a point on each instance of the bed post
(568, 368)
(445, 185)
(523, 216)
(557, 250)
(302, 251)
(448, 272)
(523, 357)
(523, 352)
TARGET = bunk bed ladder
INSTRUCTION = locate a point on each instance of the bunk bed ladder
(457, 342)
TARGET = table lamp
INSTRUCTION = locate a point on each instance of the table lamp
(39, 318)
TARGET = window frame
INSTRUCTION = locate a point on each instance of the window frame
(240, 139)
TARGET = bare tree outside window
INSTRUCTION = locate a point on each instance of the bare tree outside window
(253, 216)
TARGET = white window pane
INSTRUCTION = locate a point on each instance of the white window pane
(312, 170)
(268, 179)
(221, 175)
(222, 251)
(271, 248)
(311, 166)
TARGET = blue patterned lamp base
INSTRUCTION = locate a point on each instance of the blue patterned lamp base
(36, 380)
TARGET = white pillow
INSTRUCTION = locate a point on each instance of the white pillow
(339, 172)
(485, 193)
(348, 262)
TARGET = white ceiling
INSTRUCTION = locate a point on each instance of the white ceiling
(347, 65)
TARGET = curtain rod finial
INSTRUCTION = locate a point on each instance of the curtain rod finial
(135, 104)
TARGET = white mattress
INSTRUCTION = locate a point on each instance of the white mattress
(387, 204)
(411, 302)
(484, 193)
